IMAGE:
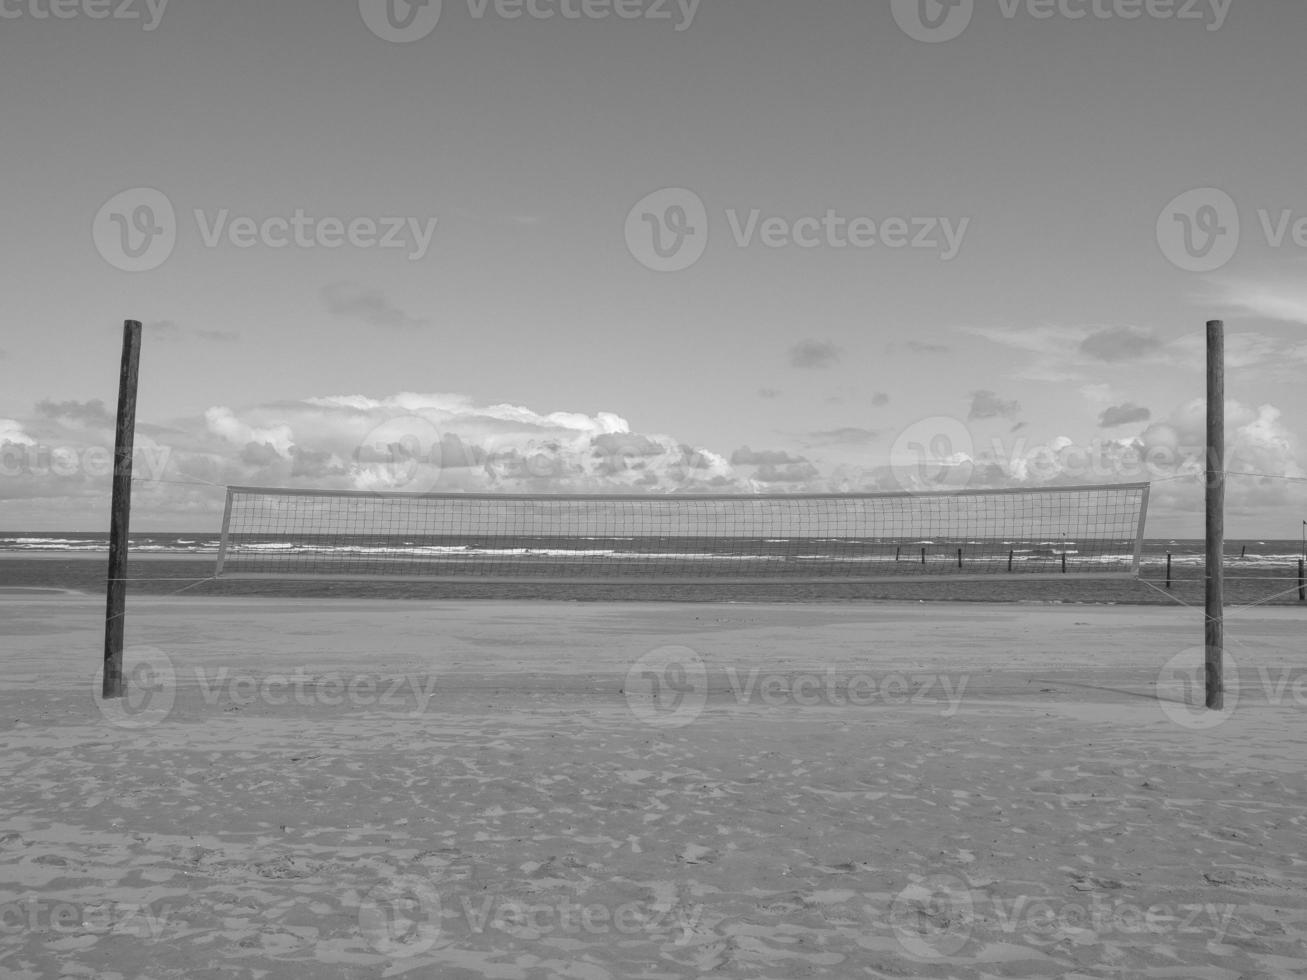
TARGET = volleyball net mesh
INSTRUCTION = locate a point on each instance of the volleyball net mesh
(678, 538)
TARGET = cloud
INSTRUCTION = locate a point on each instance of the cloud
(848, 434)
(788, 473)
(744, 456)
(770, 393)
(368, 305)
(814, 354)
(1123, 415)
(92, 413)
(168, 331)
(988, 405)
(1060, 353)
(1286, 302)
(11, 432)
(921, 347)
(880, 399)
(1116, 344)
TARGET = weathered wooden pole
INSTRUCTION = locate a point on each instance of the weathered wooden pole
(959, 558)
(1214, 631)
(1168, 569)
(1010, 554)
(923, 556)
(1302, 580)
(120, 512)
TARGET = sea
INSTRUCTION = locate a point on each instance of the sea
(1256, 572)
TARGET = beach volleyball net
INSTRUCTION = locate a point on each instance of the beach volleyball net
(1094, 531)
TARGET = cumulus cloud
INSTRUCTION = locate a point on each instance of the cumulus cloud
(1125, 414)
(988, 405)
(92, 413)
(446, 442)
(788, 473)
(1116, 344)
(744, 456)
(368, 305)
(814, 354)
(11, 432)
(1286, 302)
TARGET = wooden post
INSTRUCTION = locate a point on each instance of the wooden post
(923, 556)
(897, 552)
(1214, 624)
(1064, 563)
(1168, 569)
(959, 558)
(1302, 580)
(120, 513)
(1009, 560)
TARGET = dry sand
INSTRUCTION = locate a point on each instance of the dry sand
(532, 790)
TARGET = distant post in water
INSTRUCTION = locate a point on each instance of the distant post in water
(120, 512)
(1214, 631)
(1168, 569)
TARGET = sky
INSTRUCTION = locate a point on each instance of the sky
(656, 245)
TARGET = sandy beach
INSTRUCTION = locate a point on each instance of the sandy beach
(533, 790)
